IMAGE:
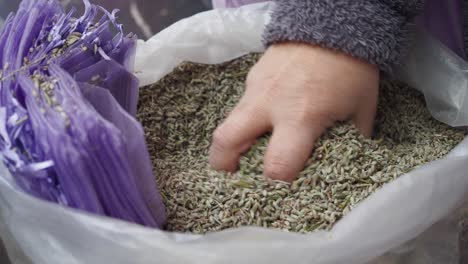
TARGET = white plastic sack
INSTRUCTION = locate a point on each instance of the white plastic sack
(407, 221)
(442, 76)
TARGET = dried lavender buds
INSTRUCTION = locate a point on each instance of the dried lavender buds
(181, 111)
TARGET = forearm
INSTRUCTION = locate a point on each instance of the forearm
(372, 30)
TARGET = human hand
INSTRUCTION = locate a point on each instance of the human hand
(297, 91)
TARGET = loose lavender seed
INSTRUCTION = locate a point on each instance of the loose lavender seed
(180, 112)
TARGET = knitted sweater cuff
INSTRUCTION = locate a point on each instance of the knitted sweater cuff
(372, 30)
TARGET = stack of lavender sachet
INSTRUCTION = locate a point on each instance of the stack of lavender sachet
(67, 105)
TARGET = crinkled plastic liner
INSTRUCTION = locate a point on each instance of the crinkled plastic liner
(407, 221)
(442, 76)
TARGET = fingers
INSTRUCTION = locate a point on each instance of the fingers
(234, 136)
(288, 151)
(365, 116)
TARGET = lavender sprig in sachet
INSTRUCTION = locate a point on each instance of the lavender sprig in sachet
(59, 143)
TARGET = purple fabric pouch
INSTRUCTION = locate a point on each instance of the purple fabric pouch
(444, 20)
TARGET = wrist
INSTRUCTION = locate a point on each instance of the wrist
(367, 30)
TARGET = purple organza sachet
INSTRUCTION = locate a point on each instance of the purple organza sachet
(67, 104)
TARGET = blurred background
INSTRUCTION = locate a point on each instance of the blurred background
(143, 17)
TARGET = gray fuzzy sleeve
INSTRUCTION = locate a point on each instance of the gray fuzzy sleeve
(373, 30)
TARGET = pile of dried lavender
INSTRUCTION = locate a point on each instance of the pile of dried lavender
(180, 112)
